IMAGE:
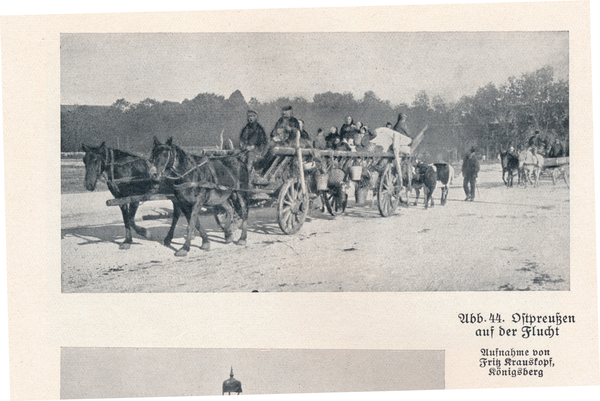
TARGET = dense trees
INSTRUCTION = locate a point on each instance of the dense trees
(491, 119)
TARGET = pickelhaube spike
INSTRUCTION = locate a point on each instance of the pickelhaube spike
(232, 385)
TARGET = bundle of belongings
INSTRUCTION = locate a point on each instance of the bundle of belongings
(388, 140)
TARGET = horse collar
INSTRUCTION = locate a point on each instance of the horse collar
(112, 164)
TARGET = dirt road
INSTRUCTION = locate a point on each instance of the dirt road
(508, 239)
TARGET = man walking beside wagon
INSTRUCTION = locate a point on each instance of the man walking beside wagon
(470, 169)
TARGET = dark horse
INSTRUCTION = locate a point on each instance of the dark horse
(198, 181)
(128, 175)
(510, 167)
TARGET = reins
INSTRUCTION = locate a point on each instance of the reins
(172, 167)
(180, 176)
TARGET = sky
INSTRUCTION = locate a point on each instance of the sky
(153, 372)
(98, 69)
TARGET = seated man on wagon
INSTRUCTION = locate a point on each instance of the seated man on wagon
(253, 134)
(283, 135)
(286, 127)
(253, 139)
(556, 150)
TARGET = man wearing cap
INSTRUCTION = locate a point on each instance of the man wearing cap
(253, 139)
(470, 169)
(253, 135)
(286, 127)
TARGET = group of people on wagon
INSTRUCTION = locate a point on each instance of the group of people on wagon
(352, 136)
(543, 146)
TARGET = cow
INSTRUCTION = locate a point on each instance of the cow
(445, 175)
(425, 177)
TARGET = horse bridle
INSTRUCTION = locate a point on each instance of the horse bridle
(172, 169)
(169, 157)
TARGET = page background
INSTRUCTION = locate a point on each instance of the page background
(60, 325)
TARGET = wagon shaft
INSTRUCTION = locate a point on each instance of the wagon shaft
(138, 198)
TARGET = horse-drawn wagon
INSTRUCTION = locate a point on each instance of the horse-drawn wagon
(556, 166)
(216, 178)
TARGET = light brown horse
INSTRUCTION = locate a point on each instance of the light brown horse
(530, 165)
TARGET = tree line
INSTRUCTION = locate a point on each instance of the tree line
(491, 119)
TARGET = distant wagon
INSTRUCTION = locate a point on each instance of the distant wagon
(557, 166)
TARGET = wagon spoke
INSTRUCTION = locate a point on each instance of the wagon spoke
(293, 192)
(286, 213)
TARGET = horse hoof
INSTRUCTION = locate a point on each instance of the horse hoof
(125, 245)
(167, 243)
(242, 242)
(205, 246)
(181, 252)
(229, 239)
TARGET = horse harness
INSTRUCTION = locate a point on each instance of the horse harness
(195, 184)
(109, 161)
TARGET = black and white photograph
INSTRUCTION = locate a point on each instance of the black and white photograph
(170, 372)
(301, 201)
(315, 162)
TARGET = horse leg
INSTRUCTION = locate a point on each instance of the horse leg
(244, 215)
(426, 195)
(128, 240)
(229, 214)
(176, 215)
(133, 207)
(196, 222)
(417, 194)
(444, 195)
(525, 176)
(529, 177)
(192, 216)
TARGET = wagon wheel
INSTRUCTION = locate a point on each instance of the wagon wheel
(333, 202)
(292, 206)
(388, 195)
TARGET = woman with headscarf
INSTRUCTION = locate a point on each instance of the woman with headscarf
(348, 129)
(331, 137)
(320, 142)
